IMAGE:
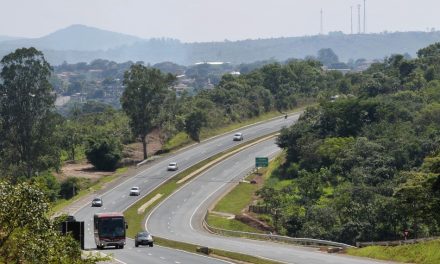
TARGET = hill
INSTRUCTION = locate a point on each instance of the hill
(80, 43)
(75, 38)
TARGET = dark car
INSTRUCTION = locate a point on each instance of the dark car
(143, 238)
(97, 202)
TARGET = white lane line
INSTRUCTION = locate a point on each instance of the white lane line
(209, 196)
(162, 257)
(149, 254)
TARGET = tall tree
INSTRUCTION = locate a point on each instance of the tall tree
(193, 124)
(26, 113)
(27, 235)
(142, 100)
(327, 57)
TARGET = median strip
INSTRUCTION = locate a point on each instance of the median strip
(141, 209)
(135, 220)
(210, 164)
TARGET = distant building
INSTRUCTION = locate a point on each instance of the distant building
(235, 73)
(211, 62)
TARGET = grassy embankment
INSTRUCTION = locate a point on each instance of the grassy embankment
(182, 139)
(93, 187)
(421, 253)
(239, 198)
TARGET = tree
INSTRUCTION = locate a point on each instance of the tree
(71, 137)
(104, 152)
(26, 233)
(142, 99)
(327, 57)
(26, 113)
(193, 124)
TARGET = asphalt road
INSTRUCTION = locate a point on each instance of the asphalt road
(117, 199)
(179, 217)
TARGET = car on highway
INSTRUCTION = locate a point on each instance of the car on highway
(134, 191)
(143, 238)
(97, 202)
(238, 137)
(172, 166)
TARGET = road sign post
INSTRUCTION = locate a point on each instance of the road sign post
(261, 162)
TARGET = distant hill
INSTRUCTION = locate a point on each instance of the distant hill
(79, 43)
(5, 38)
(76, 38)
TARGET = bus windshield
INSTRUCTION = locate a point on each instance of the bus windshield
(111, 227)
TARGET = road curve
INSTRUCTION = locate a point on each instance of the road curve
(179, 217)
(117, 199)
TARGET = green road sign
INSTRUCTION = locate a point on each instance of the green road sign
(261, 162)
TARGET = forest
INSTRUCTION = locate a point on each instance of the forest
(364, 165)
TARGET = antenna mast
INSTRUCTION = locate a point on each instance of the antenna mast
(321, 32)
(359, 19)
(365, 19)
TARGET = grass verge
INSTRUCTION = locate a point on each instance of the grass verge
(239, 198)
(95, 186)
(421, 253)
(182, 139)
(230, 224)
(214, 252)
(135, 220)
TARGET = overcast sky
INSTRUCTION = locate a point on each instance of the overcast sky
(206, 20)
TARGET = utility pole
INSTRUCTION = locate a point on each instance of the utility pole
(359, 19)
(365, 19)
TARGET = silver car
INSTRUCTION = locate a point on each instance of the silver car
(143, 238)
(238, 137)
(97, 202)
(172, 166)
(134, 191)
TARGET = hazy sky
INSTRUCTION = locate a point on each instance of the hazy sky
(205, 20)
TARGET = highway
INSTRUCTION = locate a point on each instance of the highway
(179, 217)
(117, 199)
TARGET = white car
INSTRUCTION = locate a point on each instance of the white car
(238, 137)
(134, 191)
(172, 166)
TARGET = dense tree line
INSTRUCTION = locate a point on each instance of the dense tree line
(364, 165)
(36, 139)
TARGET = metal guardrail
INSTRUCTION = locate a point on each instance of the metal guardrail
(271, 237)
(396, 242)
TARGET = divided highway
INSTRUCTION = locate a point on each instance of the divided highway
(118, 199)
(179, 217)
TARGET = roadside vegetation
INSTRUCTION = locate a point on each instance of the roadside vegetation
(361, 165)
(364, 165)
(422, 253)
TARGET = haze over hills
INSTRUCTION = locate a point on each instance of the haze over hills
(80, 43)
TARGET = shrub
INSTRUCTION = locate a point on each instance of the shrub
(104, 152)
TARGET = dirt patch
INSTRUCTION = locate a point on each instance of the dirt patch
(254, 222)
(132, 154)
